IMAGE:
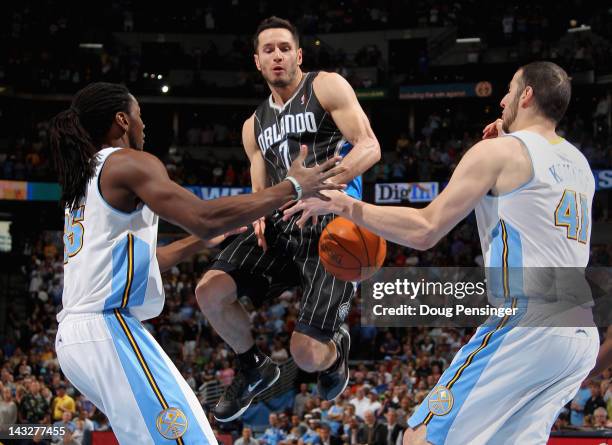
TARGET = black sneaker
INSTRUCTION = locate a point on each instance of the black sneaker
(332, 382)
(245, 387)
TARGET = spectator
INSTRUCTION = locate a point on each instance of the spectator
(8, 408)
(372, 432)
(600, 419)
(300, 400)
(34, 408)
(84, 418)
(67, 424)
(374, 404)
(335, 415)
(273, 434)
(595, 401)
(311, 436)
(62, 403)
(325, 436)
(390, 346)
(247, 438)
(360, 402)
(394, 429)
(279, 353)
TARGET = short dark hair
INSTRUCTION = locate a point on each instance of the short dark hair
(551, 86)
(275, 22)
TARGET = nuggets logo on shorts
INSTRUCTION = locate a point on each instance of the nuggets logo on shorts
(171, 423)
(441, 401)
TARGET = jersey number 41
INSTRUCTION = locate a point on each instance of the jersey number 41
(575, 221)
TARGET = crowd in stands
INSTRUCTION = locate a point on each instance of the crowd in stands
(431, 155)
(40, 52)
(392, 371)
(351, 15)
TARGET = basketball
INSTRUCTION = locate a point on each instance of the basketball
(345, 248)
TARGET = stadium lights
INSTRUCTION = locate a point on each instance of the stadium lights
(581, 28)
(469, 40)
(91, 45)
(165, 89)
(160, 77)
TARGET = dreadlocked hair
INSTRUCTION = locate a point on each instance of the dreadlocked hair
(76, 135)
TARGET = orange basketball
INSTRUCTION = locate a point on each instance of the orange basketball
(345, 248)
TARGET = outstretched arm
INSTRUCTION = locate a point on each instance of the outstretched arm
(339, 100)
(476, 174)
(145, 176)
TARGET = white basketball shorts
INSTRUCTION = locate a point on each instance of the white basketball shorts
(113, 360)
(507, 385)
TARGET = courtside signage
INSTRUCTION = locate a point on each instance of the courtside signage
(395, 193)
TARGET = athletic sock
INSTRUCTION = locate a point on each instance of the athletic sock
(251, 358)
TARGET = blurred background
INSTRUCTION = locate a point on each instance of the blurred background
(429, 75)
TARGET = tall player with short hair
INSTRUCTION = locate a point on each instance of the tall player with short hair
(113, 192)
(319, 110)
(532, 192)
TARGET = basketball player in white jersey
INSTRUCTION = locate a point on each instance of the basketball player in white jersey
(532, 192)
(113, 192)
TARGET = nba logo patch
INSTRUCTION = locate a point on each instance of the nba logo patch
(343, 310)
(171, 423)
(302, 99)
(441, 401)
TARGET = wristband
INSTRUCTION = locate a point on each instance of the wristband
(296, 186)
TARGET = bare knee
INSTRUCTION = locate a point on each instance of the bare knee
(416, 436)
(215, 290)
(307, 352)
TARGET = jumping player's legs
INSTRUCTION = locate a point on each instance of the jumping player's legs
(243, 268)
(319, 343)
(216, 295)
(114, 361)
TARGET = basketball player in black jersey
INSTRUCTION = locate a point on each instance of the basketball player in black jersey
(319, 110)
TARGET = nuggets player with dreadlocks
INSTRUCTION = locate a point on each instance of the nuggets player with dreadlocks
(113, 193)
(319, 110)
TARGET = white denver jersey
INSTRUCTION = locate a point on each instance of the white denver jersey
(544, 223)
(110, 257)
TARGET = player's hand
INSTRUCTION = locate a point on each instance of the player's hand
(493, 130)
(311, 207)
(208, 243)
(314, 180)
(259, 226)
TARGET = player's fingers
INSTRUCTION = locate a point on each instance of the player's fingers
(302, 156)
(236, 231)
(287, 205)
(261, 241)
(499, 126)
(333, 172)
(331, 162)
(322, 197)
(489, 131)
(303, 219)
(288, 213)
(330, 186)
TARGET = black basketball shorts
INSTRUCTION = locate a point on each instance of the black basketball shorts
(291, 260)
